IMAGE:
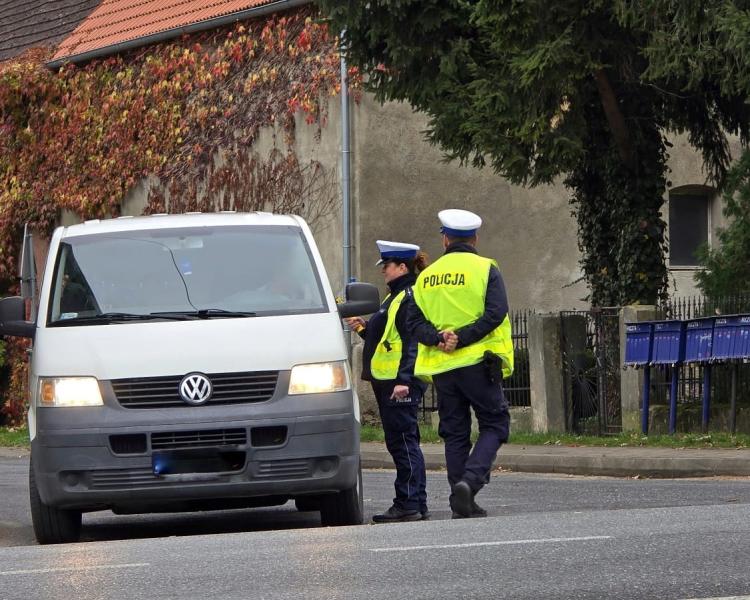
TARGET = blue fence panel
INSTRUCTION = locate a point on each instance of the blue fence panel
(731, 337)
(669, 343)
(638, 343)
(699, 339)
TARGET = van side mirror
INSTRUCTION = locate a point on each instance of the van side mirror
(13, 318)
(361, 299)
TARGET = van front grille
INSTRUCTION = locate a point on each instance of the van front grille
(280, 469)
(198, 439)
(164, 392)
(112, 479)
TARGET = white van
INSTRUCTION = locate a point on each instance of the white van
(189, 362)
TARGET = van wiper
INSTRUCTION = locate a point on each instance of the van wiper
(119, 317)
(209, 313)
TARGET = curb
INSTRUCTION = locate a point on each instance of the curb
(610, 462)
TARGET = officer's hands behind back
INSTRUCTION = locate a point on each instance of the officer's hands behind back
(450, 340)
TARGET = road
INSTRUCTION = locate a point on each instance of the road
(546, 537)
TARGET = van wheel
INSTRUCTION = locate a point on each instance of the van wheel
(345, 507)
(52, 525)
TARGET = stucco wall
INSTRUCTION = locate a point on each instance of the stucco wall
(400, 183)
(686, 169)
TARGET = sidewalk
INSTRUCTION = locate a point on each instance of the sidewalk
(613, 462)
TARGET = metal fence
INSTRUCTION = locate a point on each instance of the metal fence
(691, 307)
(591, 370)
(690, 389)
(517, 387)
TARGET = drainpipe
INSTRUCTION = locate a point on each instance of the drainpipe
(345, 167)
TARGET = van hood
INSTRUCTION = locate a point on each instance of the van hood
(218, 345)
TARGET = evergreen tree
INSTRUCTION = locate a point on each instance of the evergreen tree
(583, 89)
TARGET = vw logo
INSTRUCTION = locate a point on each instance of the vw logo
(195, 388)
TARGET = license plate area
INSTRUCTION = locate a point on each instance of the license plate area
(197, 460)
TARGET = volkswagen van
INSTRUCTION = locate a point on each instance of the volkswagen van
(189, 362)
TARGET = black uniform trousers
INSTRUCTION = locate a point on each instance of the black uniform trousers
(402, 441)
(457, 390)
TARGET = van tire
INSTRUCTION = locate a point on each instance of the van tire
(52, 525)
(307, 503)
(345, 507)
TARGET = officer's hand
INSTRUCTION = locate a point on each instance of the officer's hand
(400, 391)
(354, 322)
(450, 341)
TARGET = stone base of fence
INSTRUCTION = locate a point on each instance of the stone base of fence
(631, 380)
(546, 373)
(689, 419)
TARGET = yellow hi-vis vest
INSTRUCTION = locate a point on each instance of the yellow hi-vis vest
(451, 294)
(387, 356)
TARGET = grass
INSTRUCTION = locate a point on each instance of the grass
(19, 438)
(370, 433)
(14, 438)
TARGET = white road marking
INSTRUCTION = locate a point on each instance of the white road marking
(722, 598)
(504, 543)
(70, 569)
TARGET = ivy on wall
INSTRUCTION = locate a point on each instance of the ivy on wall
(185, 114)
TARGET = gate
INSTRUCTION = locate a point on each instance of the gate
(590, 344)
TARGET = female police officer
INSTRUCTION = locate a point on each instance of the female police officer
(388, 363)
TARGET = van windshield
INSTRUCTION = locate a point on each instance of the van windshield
(202, 272)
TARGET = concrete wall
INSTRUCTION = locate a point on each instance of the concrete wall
(400, 183)
(686, 169)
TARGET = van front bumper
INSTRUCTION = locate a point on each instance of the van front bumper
(78, 468)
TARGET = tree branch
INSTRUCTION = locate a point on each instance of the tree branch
(615, 118)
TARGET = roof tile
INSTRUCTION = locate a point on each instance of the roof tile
(117, 21)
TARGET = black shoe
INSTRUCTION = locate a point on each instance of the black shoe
(397, 515)
(425, 512)
(476, 512)
(461, 499)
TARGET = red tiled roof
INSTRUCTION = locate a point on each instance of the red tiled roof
(115, 22)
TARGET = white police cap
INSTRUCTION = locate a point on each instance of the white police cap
(459, 223)
(398, 250)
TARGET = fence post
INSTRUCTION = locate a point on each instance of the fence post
(546, 373)
(631, 380)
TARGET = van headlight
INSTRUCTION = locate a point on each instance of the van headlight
(318, 378)
(69, 391)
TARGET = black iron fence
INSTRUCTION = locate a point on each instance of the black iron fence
(517, 387)
(590, 348)
(690, 388)
(691, 307)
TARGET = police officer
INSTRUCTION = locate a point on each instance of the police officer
(388, 363)
(460, 319)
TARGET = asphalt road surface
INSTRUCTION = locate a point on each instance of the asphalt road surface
(546, 537)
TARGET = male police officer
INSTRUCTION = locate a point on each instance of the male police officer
(460, 318)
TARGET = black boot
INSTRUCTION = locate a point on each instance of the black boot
(461, 499)
(463, 504)
(397, 515)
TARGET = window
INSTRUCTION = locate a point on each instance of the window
(688, 226)
(263, 270)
